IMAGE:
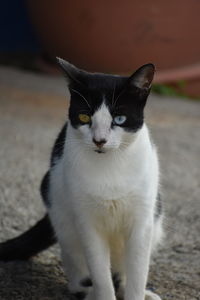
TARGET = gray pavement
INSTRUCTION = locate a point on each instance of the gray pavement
(32, 110)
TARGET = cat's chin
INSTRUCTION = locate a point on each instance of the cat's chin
(104, 150)
(99, 151)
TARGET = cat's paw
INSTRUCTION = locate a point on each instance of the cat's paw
(151, 296)
(79, 289)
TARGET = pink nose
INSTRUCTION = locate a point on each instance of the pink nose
(99, 143)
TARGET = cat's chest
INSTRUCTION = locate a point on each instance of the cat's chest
(109, 187)
(106, 181)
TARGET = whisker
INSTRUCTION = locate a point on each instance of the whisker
(125, 143)
(118, 97)
(75, 91)
(113, 95)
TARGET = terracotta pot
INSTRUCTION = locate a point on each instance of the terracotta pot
(119, 36)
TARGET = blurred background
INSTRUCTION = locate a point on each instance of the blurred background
(105, 36)
(109, 36)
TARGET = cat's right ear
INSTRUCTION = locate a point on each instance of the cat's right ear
(143, 77)
(71, 72)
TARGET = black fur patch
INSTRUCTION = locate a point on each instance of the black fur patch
(80, 295)
(115, 91)
(58, 147)
(116, 281)
(56, 154)
(44, 188)
(159, 206)
(86, 282)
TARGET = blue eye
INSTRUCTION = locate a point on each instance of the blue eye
(119, 120)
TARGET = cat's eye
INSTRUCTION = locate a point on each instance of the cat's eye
(119, 120)
(84, 118)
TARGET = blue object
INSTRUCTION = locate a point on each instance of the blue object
(16, 31)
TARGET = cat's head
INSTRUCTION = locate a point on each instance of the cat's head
(106, 111)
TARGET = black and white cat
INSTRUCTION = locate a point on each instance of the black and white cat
(102, 189)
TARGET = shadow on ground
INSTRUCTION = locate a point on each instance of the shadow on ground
(32, 279)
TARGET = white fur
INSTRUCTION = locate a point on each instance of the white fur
(103, 207)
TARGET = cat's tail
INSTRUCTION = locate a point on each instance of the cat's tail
(37, 238)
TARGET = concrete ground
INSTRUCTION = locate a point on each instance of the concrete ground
(32, 109)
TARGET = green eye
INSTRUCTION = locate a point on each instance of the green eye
(84, 118)
(119, 120)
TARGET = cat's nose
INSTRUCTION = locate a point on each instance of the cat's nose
(99, 143)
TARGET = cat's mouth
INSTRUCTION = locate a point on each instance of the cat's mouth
(100, 151)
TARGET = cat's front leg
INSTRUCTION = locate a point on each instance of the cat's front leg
(97, 255)
(138, 250)
(75, 267)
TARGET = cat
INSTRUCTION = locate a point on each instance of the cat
(102, 189)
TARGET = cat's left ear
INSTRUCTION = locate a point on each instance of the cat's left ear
(143, 77)
(72, 73)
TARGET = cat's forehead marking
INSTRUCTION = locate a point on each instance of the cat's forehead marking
(102, 115)
(101, 122)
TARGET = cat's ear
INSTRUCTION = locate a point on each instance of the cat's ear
(71, 72)
(143, 77)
